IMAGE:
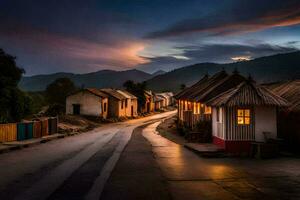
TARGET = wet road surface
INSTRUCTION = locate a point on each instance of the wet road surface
(71, 168)
(189, 176)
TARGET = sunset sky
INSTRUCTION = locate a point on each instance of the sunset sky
(82, 36)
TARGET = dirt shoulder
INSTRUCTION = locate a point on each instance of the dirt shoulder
(168, 130)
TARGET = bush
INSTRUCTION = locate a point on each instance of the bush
(55, 109)
(205, 128)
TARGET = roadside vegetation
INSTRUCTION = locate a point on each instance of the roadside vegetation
(15, 104)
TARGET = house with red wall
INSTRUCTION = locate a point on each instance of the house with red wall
(244, 114)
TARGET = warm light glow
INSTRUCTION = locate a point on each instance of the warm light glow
(241, 58)
(243, 116)
(207, 110)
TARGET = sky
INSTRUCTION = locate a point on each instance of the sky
(82, 36)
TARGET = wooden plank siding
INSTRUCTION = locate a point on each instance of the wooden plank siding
(8, 132)
(190, 113)
(235, 132)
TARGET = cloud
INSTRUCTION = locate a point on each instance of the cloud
(217, 53)
(242, 17)
(50, 51)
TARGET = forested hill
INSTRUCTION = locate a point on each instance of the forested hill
(99, 79)
(264, 69)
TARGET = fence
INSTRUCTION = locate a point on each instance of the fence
(28, 130)
(8, 132)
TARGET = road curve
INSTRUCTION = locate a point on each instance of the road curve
(71, 168)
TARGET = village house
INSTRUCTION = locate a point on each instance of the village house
(192, 107)
(89, 101)
(289, 117)
(149, 103)
(244, 114)
(167, 97)
(120, 103)
(158, 102)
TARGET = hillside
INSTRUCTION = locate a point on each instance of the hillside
(264, 69)
(159, 72)
(100, 79)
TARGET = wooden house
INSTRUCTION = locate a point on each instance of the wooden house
(192, 107)
(120, 103)
(89, 101)
(289, 117)
(244, 114)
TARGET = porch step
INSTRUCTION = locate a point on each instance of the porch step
(207, 150)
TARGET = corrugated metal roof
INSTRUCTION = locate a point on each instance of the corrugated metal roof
(187, 90)
(220, 86)
(210, 83)
(290, 90)
(248, 93)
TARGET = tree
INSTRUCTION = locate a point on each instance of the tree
(182, 86)
(14, 103)
(57, 91)
(138, 90)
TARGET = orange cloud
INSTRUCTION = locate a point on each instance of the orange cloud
(119, 54)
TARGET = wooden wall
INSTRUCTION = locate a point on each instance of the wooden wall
(233, 131)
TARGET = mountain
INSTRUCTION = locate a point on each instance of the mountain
(100, 79)
(159, 72)
(264, 69)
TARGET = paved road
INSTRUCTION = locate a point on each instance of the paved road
(70, 168)
(189, 176)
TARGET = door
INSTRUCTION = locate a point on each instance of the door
(148, 107)
(131, 111)
(76, 109)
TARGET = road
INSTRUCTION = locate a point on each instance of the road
(71, 168)
(153, 167)
(190, 176)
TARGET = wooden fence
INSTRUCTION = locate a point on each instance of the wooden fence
(28, 130)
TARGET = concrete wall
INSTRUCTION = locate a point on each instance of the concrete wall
(265, 121)
(113, 107)
(105, 111)
(133, 103)
(89, 104)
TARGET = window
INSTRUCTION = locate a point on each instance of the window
(122, 104)
(243, 116)
(207, 110)
(196, 108)
(126, 103)
(104, 107)
(218, 114)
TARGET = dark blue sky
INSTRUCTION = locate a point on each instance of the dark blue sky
(88, 35)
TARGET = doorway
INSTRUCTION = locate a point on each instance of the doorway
(76, 109)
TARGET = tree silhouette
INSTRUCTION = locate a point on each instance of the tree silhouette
(138, 90)
(15, 104)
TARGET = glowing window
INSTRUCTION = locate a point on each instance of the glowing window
(243, 116)
(207, 110)
(195, 108)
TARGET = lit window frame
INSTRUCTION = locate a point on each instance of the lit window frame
(243, 116)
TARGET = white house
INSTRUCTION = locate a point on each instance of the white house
(244, 114)
(89, 101)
